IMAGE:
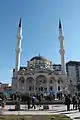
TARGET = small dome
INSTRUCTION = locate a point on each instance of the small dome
(38, 58)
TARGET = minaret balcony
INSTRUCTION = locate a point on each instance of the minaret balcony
(61, 38)
(62, 51)
(19, 37)
(18, 50)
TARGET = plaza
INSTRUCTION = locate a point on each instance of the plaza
(53, 109)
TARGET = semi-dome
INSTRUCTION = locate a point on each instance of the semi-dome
(39, 58)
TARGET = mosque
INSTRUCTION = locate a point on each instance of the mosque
(39, 76)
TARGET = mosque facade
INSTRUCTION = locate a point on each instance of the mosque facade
(39, 76)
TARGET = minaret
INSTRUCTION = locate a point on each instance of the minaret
(62, 51)
(18, 48)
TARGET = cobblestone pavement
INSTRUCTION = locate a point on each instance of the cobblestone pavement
(53, 109)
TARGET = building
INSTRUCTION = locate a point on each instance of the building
(57, 67)
(73, 70)
(40, 75)
(5, 89)
(3, 85)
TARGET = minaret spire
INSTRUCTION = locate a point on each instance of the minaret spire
(20, 23)
(18, 48)
(60, 27)
(62, 51)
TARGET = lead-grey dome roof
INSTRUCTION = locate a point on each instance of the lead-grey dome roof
(38, 58)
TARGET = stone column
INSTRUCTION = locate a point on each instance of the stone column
(34, 86)
(17, 85)
(25, 85)
(57, 85)
(47, 85)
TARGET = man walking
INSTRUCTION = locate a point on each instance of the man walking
(67, 102)
(33, 102)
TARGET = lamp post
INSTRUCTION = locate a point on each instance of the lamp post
(18, 101)
(25, 103)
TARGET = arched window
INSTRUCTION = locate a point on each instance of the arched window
(29, 88)
(41, 79)
(60, 80)
(30, 79)
(21, 79)
(58, 88)
(51, 88)
(51, 82)
(21, 82)
(41, 88)
(52, 79)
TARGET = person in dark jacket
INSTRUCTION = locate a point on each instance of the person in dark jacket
(28, 102)
(74, 102)
(67, 102)
(78, 103)
(33, 102)
(39, 100)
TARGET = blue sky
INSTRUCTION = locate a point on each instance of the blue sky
(40, 31)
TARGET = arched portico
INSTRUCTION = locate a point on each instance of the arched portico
(60, 83)
(30, 84)
(41, 84)
(21, 83)
(52, 84)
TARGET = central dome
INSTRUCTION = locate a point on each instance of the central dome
(39, 62)
(38, 58)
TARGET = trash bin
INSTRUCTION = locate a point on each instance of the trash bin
(46, 107)
(17, 106)
(3, 104)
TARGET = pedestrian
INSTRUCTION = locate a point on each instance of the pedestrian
(28, 102)
(74, 102)
(79, 104)
(39, 100)
(67, 102)
(33, 102)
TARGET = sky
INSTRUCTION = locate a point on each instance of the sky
(40, 20)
